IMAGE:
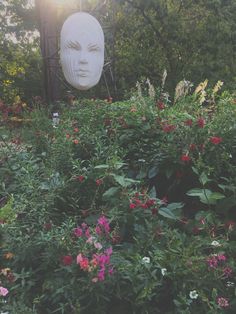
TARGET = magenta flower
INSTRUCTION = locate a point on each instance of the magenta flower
(212, 262)
(101, 275)
(98, 230)
(227, 271)
(78, 232)
(103, 221)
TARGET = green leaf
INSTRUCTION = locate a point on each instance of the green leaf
(173, 206)
(152, 172)
(216, 196)
(152, 193)
(203, 178)
(166, 212)
(104, 166)
(198, 192)
(111, 192)
(123, 181)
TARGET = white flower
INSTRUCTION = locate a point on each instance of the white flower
(98, 245)
(193, 294)
(163, 271)
(229, 284)
(146, 260)
(215, 243)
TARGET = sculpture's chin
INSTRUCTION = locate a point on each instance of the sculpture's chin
(84, 85)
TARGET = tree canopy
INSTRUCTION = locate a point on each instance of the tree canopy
(192, 40)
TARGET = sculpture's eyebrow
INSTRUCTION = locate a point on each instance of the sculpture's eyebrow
(93, 47)
(72, 44)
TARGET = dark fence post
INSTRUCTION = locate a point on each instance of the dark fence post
(47, 15)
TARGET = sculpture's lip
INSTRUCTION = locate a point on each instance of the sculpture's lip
(82, 72)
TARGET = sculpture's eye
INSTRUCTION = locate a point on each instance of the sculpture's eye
(73, 45)
(93, 48)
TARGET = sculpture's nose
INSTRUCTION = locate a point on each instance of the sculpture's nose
(83, 57)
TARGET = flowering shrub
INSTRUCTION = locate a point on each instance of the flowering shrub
(121, 207)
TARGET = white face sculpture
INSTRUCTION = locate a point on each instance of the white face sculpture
(82, 50)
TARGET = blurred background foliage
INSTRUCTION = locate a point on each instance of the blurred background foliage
(192, 40)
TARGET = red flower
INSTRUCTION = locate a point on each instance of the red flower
(192, 146)
(179, 174)
(154, 211)
(67, 260)
(47, 226)
(99, 182)
(80, 178)
(201, 122)
(185, 158)
(230, 225)
(202, 147)
(188, 122)
(161, 105)
(76, 130)
(132, 205)
(76, 142)
(216, 140)
(168, 128)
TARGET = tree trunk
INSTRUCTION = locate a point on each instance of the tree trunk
(47, 15)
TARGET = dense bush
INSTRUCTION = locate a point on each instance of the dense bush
(121, 208)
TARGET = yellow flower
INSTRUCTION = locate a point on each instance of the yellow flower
(8, 255)
(5, 271)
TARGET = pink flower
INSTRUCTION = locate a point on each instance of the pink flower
(109, 251)
(216, 140)
(87, 233)
(90, 240)
(222, 302)
(84, 264)
(3, 291)
(78, 232)
(79, 258)
(201, 122)
(221, 257)
(82, 261)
